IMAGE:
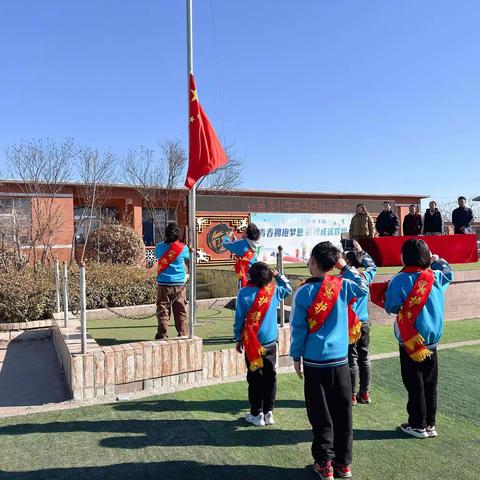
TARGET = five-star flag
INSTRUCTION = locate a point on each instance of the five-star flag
(206, 152)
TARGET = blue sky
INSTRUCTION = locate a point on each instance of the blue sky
(316, 95)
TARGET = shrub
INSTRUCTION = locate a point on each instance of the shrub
(26, 296)
(115, 243)
(10, 259)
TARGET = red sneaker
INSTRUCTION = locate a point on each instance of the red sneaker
(324, 470)
(342, 471)
(364, 398)
(354, 399)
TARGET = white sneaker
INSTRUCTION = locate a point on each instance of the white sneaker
(414, 432)
(431, 431)
(269, 418)
(258, 420)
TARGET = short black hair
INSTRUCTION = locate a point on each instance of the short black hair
(260, 274)
(172, 232)
(413, 205)
(462, 198)
(326, 255)
(354, 258)
(386, 202)
(415, 253)
(253, 233)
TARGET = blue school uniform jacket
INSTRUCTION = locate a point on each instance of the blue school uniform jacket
(360, 307)
(328, 346)
(176, 273)
(429, 322)
(268, 331)
(240, 247)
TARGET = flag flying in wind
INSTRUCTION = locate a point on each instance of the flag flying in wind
(206, 152)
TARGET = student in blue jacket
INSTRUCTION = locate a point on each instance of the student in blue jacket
(261, 375)
(417, 296)
(358, 352)
(246, 250)
(172, 256)
(320, 336)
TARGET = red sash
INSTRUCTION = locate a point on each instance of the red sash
(255, 316)
(169, 256)
(406, 317)
(242, 265)
(354, 323)
(325, 300)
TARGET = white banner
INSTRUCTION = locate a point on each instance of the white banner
(298, 233)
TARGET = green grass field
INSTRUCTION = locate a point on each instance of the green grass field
(215, 327)
(200, 434)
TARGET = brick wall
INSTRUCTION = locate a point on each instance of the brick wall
(159, 364)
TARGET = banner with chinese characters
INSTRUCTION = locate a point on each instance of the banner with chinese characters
(298, 233)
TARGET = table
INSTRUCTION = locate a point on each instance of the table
(385, 251)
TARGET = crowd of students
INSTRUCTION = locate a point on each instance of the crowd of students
(329, 334)
(387, 222)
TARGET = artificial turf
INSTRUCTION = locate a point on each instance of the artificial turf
(215, 328)
(201, 434)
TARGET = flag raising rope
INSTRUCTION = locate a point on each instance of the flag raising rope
(205, 152)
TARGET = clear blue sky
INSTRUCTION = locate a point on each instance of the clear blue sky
(317, 95)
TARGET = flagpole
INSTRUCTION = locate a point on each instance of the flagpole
(192, 207)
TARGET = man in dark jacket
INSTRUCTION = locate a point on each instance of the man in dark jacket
(432, 221)
(387, 223)
(462, 217)
(412, 223)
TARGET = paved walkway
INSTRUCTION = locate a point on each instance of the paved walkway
(444, 346)
(31, 379)
(30, 375)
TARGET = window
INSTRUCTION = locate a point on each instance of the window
(82, 220)
(153, 223)
(16, 219)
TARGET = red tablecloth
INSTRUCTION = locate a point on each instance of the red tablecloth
(385, 251)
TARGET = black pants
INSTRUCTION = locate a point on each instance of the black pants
(420, 380)
(359, 361)
(328, 397)
(262, 383)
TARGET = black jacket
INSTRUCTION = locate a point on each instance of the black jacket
(462, 217)
(412, 224)
(432, 222)
(387, 223)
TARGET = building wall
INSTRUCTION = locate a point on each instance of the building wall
(235, 207)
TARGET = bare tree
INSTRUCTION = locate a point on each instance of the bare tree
(225, 178)
(155, 179)
(96, 173)
(41, 168)
(14, 232)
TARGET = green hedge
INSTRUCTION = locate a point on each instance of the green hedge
(26, 296)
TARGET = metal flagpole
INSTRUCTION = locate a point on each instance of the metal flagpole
(192, 195)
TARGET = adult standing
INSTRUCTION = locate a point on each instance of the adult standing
(361, 224)
(172, 256)
(462, 217)
(387, 223)
(432, 221)
(412, 223)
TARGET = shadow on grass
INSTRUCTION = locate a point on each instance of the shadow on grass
(360, 435)
(218, 406)
(168, 470)
(170, 433)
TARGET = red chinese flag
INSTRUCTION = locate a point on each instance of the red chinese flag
(206, 152)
